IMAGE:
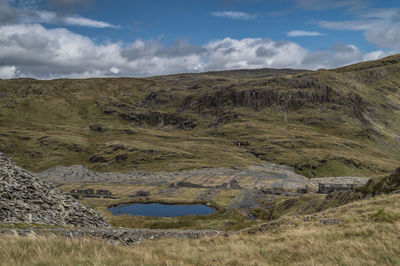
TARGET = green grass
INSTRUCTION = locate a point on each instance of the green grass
(47, 123)
(385, 216)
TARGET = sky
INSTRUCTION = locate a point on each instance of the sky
(47, 39)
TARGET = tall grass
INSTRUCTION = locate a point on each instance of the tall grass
(358, 240)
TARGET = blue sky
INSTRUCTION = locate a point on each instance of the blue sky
(87, 38)
(194, 20)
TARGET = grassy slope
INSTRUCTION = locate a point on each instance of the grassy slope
(367, 235)
(354, 130)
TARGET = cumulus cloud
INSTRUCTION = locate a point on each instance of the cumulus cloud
(37, 51)
(253, 53)
(340, 55)
(49, 53)
(234, 15)
(8, 71)
(114, 70)
(303, 33)
(31, 50)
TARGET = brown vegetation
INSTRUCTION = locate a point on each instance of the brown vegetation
(362, 235)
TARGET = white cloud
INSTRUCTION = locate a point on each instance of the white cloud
(81, 21)
(26, 12)
(380, 26)
(234, 15)
(375, 55)
(31, 50)
(115, 70)
(385, 34)
(341, 54)
(303, 33)
(54, 18)
(8, 71)
(348, 24)
(382, 13)
(41, 52)
(253, 53)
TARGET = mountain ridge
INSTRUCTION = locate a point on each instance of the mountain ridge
(323, 123)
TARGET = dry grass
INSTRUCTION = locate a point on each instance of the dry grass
(46, 123)
(361, 239)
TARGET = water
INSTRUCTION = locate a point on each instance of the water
(161, 210)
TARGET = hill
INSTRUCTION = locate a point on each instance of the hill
(365, 232)
(323, 123)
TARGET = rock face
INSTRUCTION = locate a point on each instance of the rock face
(392, 183)
(27, 199)
(133, 114)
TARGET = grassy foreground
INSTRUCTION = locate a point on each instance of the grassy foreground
(368, 234)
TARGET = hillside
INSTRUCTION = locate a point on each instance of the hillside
(323, 123)
(361, 233)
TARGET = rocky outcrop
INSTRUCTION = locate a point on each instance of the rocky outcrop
(374, 186)
(392, 183)
(140, 116)
(299, 96)
(258, 98)
(79, 173)
(27, 199)
(383, 185)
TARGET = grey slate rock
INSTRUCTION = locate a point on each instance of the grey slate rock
(25, 198)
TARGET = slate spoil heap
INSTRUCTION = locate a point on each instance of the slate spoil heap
(27, 199)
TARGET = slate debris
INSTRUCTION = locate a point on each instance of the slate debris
(25, 198)
(125, 236)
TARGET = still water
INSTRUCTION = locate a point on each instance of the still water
(161, 210)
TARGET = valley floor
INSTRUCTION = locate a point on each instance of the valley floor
(365, 232)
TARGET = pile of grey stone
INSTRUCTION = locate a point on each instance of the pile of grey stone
(25, 198)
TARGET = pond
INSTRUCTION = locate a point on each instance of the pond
(161, 210)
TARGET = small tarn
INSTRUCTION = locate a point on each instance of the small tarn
(161, 210)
